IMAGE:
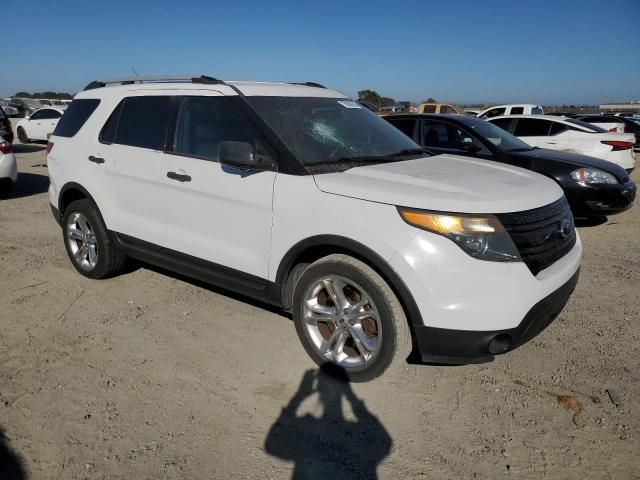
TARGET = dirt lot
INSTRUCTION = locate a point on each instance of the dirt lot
(151, 376)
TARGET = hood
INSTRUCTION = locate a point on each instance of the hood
(572, 160)
(447, 183)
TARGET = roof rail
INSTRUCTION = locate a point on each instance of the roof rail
(154, 79)
(308, 84)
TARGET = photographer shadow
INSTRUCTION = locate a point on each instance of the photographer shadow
(332, 445)
(11, 465)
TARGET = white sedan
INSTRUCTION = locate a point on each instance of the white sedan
(39, 125)
(561, 133)
(8, 165)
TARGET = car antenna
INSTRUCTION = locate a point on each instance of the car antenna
(134, 71)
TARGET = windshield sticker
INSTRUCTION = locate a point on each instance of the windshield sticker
(349, 104)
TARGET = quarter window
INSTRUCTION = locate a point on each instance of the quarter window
(557, 127)
(204, 122)
(447, 109)
(75, 117)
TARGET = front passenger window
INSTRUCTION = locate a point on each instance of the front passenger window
(205, 122)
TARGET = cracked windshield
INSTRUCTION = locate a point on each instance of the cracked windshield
(329, 130)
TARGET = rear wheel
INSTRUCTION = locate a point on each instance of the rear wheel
(88, 242)
(348, 318)
(22, 136)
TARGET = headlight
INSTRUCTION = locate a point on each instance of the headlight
(480, 236)
(592, 176)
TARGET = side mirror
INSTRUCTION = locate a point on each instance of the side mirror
(27, 117)
(242, 155)
(472, 148)
(237, 154)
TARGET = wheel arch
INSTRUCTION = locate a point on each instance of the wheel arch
(70, 192)
(314, 248)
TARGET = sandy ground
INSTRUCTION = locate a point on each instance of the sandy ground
(148, 376)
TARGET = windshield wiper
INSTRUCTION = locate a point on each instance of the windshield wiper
(390, 156)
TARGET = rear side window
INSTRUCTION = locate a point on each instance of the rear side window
(75, 117)
(405, 125)
(143, 122)
(536, 111)
(502, 123)
(204, 122)
(429, 109)
(517, 110)
(49, 114)
(529, 127)
(447, 109)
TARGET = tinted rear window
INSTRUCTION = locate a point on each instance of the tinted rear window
(405, 125)
(138, 122)
(75, 117)
(517, 110)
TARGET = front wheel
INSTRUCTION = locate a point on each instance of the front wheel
(348, 318)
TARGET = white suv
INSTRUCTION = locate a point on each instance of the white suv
(296, 195)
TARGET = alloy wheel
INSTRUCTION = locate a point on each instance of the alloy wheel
(342, 322)
(81, 239)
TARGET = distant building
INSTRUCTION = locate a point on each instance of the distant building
(620, 107)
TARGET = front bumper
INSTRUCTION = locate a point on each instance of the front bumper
(445, 346)
(601, 199)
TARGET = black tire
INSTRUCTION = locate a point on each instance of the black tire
(395, 344)
(22, 136)
(110, 260)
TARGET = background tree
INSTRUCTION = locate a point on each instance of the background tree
(430, 100)
(370, 96)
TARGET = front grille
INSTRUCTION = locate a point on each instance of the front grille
(542, 235)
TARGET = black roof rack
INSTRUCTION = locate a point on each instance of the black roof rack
(155, 79)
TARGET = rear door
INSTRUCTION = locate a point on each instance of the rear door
(35, 125)
(128, 155)
(215, 212)
(47, 122)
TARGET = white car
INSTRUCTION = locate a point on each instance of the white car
(8, 165)
(561, 133)
(296, 195)
(39, 125)
(608, 122)
(513, 109)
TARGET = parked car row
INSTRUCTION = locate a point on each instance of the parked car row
(592, 186)
(570, 134)
(298, 196)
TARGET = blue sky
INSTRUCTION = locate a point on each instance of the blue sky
(562, 51)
